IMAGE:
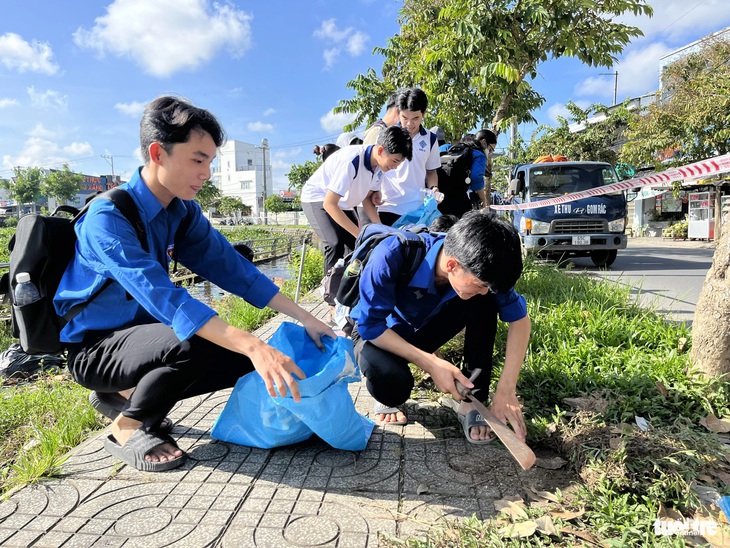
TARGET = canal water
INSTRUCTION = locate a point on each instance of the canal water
(208, 292)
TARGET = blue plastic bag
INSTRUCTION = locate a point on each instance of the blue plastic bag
(252, 417)
(424, 215)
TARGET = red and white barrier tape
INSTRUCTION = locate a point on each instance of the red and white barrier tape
(712, 166)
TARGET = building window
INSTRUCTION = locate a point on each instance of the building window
(250, 162)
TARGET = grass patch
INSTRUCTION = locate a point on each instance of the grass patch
(595, 362)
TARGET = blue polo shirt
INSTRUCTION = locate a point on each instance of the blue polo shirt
(108, 247)
(383, 305)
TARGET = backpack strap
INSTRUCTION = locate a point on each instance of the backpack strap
(126, 206)
(182, 229)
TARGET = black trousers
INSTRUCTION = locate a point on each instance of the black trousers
(388, 377)
(337, 241)
(163, 369)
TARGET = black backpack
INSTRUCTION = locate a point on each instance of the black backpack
(454, 178)
(43, 246)
(414, 249)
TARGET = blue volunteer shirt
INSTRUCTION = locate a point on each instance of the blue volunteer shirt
(108, 247)
(384, 305)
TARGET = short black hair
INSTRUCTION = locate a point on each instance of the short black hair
(443, 223)
(169, 120)
(392, 101)
(396, 140)
(413, 99)
(486, 134)
(488, 247)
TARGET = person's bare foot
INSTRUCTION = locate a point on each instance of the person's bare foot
(398, 417)
(122, 429)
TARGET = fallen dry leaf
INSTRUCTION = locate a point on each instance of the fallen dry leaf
(670, 513)
(662, 389)
(681, 343)
(519, 530)
(540, 496)
(422, 488)
(583, 535)
(566, 514)
(510, 508)
(554, 463)
(716, 425)
(545, 525)
(615, 443)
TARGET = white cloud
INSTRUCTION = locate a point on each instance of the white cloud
(7, 103)
(351, 40)
(333, 123)
(356, 43)
(48, 99)
(133, 109)
(260, 127)
(638, 71)
(676, 20)
(330, 56)
(39, 130)
(167, 36)
(17, 54)
(269, 111)
(40, 152)
(79, 149)
(558, 110)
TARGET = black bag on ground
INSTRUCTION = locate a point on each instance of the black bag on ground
(43, 245)
(16, 364)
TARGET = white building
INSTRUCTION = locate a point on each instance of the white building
(244, 171)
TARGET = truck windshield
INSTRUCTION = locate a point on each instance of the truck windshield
(557, 180)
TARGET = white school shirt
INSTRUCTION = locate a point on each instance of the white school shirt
(402, 187)
(348, 173)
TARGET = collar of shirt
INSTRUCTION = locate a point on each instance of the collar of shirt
(150, 206)
(424, 276)
(421, 130)
(366, 159)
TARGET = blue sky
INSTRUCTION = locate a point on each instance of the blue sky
(75, 76)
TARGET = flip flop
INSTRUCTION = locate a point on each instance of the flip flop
(110, 404)
(468, 421)
(381, 408)
(139, 444)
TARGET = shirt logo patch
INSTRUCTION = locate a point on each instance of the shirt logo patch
(422, 144)
(418, 294)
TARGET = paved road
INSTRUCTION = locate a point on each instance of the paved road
(663, 273)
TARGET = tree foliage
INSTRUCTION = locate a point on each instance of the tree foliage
(230, 204)
(691, 115)
(594, 136)
(300, 174)
(25, 187)
(63, 185)
(276, 204)
(476, 59)
(208, 195)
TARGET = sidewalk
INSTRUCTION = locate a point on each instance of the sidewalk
(406, 480)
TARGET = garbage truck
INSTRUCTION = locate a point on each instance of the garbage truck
(592, 226)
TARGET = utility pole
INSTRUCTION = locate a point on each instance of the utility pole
(264, 146)
(615, 83)
(110, 159)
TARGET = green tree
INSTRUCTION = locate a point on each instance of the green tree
(208, 195)
(229, 205)
(276, 204)
(63, 185)
(25, 187)
(300, 174)
(598, 140)
(476, 59)
(691, 116)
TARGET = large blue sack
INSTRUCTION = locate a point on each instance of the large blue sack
(252, 417)
(424, 215)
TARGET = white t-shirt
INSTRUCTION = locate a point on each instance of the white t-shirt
(402, 187)
(348, 173)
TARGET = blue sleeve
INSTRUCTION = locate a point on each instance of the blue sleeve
(478, 166)
(378, 289)
(206, 252)
(511, 305)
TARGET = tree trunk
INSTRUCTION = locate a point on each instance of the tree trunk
(711, 326)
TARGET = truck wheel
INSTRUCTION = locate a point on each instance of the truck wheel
(603, 257)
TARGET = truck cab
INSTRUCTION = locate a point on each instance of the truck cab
(592, 227)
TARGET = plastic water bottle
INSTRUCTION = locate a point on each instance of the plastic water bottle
(25, 291)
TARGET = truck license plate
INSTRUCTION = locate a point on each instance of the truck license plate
(581, 240)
